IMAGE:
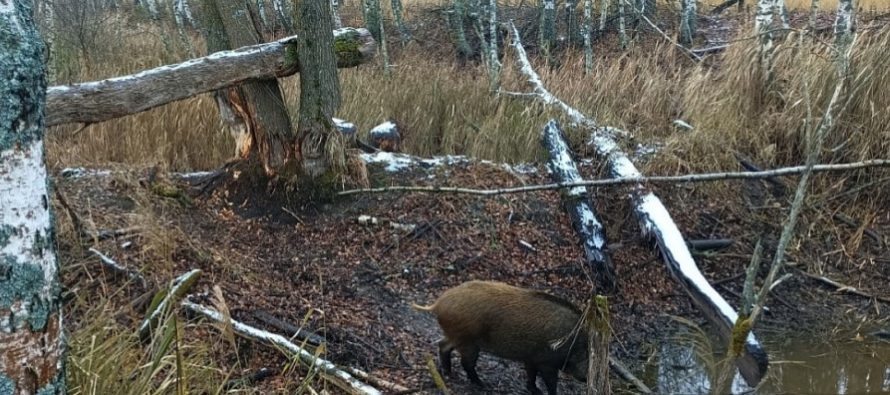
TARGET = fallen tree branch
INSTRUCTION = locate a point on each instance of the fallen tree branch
(656, 222)
(250, 379)
(338, 377)
(383, 384)
(632, 179)
(840, 287)
(114, 266)
(624, 373)
(165, 299)
(291, 330)
(98, 101)
(576, 202)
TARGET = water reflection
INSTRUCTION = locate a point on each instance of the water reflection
(799, 366)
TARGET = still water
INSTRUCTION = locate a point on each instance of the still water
(844, 364)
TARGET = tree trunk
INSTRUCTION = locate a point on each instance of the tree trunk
(268, 122)
(31, 341)
(400, 23)
(844, 25)
(599, 333)
(587, 30)
(320, 148)
(688, 21)
(335, 13)
(763, 21)
(98, 101)
(572, 23)
(548, 28)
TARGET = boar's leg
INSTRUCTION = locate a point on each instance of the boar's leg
(531, 379)
(445, 349)
(551, 377)
(468, 357)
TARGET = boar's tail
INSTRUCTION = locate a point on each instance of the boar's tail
(423, 308)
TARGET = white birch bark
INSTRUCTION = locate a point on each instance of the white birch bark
(261, 10)
(814, 9)
(763, 20)
(782, 10)
(622, 32)
(844, 25)
(494, 64)
(31, 341)
(688, 21)
(335, 13)
(604, 14)
(184, 11)
(586, 30)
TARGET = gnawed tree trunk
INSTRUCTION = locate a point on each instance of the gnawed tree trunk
(92, 102)
(321, 148)
(264, 111)
(229, 101)
(576, 202)
(31, 341)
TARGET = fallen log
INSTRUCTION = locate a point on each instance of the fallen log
(709, 244)
(656, 222)
(98, 101)
(250, 379)
(338, 377)
(576, 201)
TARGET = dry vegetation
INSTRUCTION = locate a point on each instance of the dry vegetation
(447, 109)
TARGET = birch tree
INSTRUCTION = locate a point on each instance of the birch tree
(548, 28)
(494, 64)
(32, 351)
(782, 10)
(844, 25)
(335, 14)
(688, 21)
(321, 149)
(397, 12)
(586, 30)
(572, 30)
(763, 20)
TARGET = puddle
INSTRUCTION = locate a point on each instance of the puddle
(797, 366)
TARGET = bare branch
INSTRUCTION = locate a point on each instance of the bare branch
(703, 177)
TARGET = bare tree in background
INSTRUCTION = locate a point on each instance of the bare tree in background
(321, 149)
(31, 341)
(688, 21)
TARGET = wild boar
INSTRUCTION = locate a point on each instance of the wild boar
(532, 327)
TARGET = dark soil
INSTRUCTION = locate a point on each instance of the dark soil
(294, 262)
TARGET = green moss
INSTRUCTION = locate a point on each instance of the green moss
(600, 314)
(346, 47)
(21, 281)
(291, 54)
(740, 331)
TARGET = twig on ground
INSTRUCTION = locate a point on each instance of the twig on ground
(117, 267)
(702, 177)
(840, 287)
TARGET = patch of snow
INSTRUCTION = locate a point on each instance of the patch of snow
(384, 129)
(80, 172)
(561, 161)
(643, 151)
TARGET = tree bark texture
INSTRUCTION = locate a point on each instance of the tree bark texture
(31, 341)
(98, 101)
(319, 88)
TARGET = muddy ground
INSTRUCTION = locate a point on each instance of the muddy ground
(289, 261)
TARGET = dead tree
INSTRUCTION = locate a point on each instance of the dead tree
(99, 101)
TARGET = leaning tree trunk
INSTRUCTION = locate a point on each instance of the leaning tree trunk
(264, 109)
(31, 341)
(319, 90)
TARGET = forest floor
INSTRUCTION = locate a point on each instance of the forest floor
(355, 281)
(292, 262)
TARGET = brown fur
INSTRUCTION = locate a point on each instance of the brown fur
(512, 323)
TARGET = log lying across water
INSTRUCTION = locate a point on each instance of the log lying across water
(576, 202)
(92, 102)
(655, 221)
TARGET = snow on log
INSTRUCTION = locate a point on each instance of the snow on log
(655, 221)
(98, 101)
(178, 288)
(576, 202)
(385, 137)
(117, 267)
(340, 378)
